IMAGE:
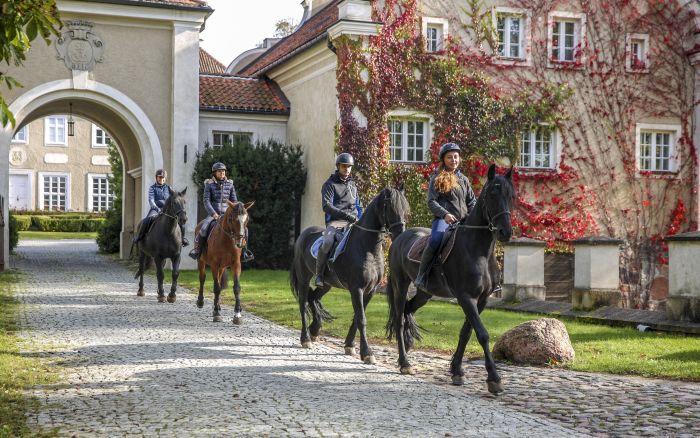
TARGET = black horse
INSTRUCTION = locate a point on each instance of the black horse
(358, 269)
(467, 274)
(163, 241)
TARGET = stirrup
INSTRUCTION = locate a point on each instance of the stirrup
(194, 253)
(247, 256)
(319, 281)
(185, 242)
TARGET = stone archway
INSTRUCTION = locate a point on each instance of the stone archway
(136, 136)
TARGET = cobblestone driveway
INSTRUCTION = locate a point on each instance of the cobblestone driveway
(133, 367)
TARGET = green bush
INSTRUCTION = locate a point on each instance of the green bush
(14, 231)
(109, 232)
(24, 222)
(272, 175)
(91, 225)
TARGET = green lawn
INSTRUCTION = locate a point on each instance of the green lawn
(55, 235)
(598, 348)
(17, 372)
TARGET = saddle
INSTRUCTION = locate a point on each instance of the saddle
(338, 247)
(448, 242)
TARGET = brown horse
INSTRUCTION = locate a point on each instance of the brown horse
(223, 249)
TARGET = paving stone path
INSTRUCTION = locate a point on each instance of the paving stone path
(134, 367)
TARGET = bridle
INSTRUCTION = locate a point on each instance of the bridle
(386, 228)
(175, 215)
(231, 234)
(491, 218)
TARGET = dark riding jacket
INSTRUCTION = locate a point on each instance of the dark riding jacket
(216, 193)
(340, 200)
(459, 201)
(157, 195)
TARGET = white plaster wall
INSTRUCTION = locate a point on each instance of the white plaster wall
(597, 267)
(683, 272)
(523, 265)
(263, 127)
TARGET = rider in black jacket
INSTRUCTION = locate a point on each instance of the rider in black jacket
(342, 205)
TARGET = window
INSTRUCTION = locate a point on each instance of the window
(566, 35)
(55, 130)
(435, 33)
(100, 138)
(228, 138)
(509, 29)
(407, 140)
(537, 150)
(100, 193)
(21, 136)
(637, 50)
(656, 150)
(54, 193)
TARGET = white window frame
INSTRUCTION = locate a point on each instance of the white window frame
(525, 58)
(25, 133)
(674, 152)
(48, 141)
(405, 116)
(554, 152)
(579, 20)
(105, 135)
(630, 38)
(216, 131)
(442, 24)
(41, 193)
(90, 194)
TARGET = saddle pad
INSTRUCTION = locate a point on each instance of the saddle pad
(339, 246)
(448, 242)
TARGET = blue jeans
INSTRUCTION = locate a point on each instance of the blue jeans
(436, 232)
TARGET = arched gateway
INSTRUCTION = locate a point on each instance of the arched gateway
(132, 68)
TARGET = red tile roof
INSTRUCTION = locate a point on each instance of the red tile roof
(240, 95)
(312, 31)
(209, 64)
(177, 4)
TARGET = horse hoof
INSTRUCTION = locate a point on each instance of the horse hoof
(171, 298)
(408, 370)
(314, 338)
(140, 293)
(161, 298)
(370, 360)
(200, 304)
(350, 351)
(458, 380)
(237, 320)
(495, 388)
(218, 318)
(306, 344)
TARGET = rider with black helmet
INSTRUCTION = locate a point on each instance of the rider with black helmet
(158, 193)
(450, 198)
(217, 191)
(342, 206)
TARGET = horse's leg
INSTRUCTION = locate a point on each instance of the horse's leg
(318, 313)
(456, 364)
(411, 330)
(217, 273)
(358, 306)
(160, 275)
(352, 331)
(303, 290)
(494, 380)
(176, 274)
(400, 292)
(202, 268)
(236, 270)
(142, 267)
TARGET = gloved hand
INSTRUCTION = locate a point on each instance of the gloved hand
(350, 218)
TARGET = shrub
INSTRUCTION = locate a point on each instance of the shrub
(272, 175)
(109, 232)
(24, 222)
(14, 231)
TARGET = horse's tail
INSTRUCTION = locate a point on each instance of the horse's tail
(390, 324)
(294, 275)
(318, 308)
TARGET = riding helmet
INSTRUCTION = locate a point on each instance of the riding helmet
(161, 172)
(218, 166)
(345, 158)
(448, 147)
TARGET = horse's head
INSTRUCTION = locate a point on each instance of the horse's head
(236, 220)
(395, 210)
(496, 199)
(175, 206)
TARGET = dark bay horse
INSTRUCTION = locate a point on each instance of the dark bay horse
(163, 241)
(359, 269)
(223, 249)
(467, 275)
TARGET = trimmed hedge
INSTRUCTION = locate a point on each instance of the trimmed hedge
(14, 231)
(109, 232)
(23, 222)
(67, 222)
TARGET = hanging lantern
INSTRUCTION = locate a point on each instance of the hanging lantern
(71, 122)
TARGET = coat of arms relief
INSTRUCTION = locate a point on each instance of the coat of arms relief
(78, 46)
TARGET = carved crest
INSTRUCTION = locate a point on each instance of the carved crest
(78, 46)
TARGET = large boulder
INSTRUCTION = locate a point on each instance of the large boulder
(539, 342)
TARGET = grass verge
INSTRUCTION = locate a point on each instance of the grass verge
(599, 348)
(55, 235)
(17, 372)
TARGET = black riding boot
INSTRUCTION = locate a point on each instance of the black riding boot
(195, 251)
(426, 262)
(321, 261)
(185, 242)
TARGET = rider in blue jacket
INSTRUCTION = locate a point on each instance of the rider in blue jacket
(217, 191)
(342, 205)
(158, 193)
